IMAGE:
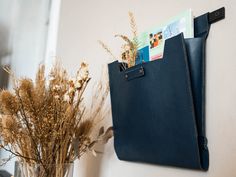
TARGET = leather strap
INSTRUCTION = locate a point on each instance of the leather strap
(134, 73)
(216, 15)
(202, 23)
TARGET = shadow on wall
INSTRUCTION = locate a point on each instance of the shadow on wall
(3, 77)
(93, 164)
(4, 55)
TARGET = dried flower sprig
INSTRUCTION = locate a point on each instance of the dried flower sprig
(133, 24)
(47, 123)
(107, 49)
(129, 50)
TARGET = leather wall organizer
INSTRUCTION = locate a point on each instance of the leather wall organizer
(158, 107)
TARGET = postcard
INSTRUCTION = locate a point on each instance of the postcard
(151, 42)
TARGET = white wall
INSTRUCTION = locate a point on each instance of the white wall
(83, 22)
(26, 24)
(6, 22)
(30, 25)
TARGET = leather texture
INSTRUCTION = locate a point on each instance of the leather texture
(160, 130)
(196, 57)
(158, 107)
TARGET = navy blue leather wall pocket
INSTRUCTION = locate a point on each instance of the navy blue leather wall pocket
(158, 107)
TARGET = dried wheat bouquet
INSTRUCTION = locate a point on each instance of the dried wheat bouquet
(45, 121)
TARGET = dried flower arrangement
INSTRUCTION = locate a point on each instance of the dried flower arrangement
(129, 50)
(46, 122)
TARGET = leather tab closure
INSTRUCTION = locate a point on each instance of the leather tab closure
(135, 73)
